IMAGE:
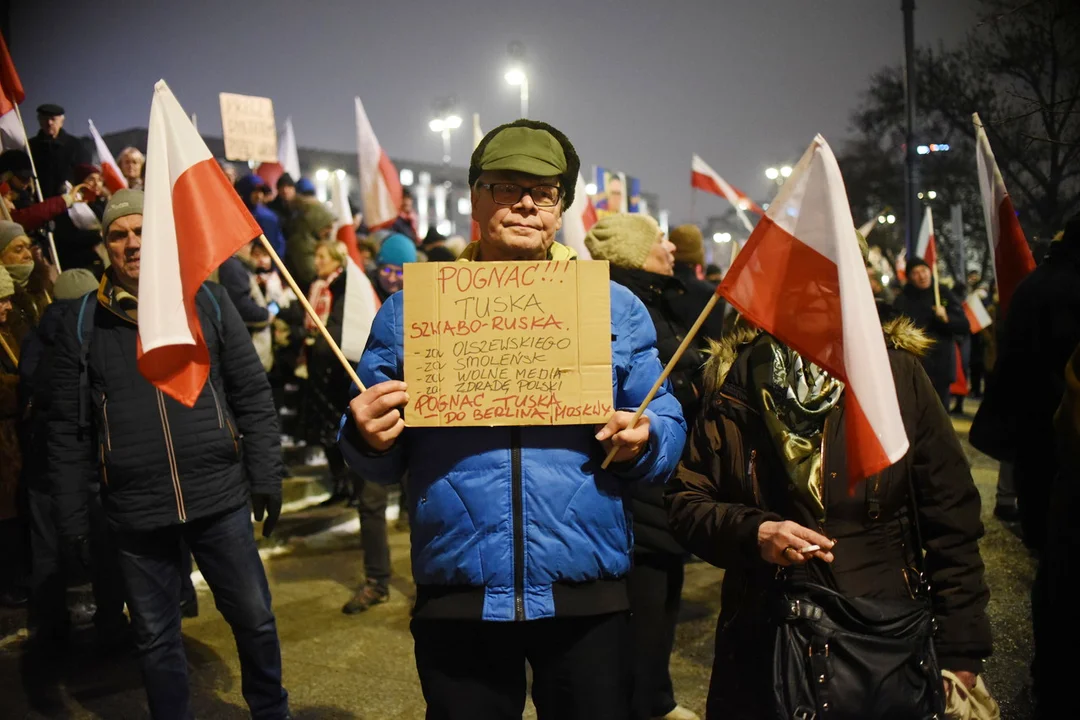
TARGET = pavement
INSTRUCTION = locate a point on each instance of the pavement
(361, 666)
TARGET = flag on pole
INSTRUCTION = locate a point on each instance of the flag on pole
(578, 219)
(192, 222)
(703, 177)
(926, 247)
(380, 188)
(867, 227)
(110, 171)
(288, 158)
(801, 278)
(976, 314)
(12, 134)
(361, 304)
(1008, 246)
(901, 265)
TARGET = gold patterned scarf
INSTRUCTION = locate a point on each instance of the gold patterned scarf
(796, 397)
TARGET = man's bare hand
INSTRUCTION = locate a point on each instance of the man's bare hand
(617, 433)
(376, 414)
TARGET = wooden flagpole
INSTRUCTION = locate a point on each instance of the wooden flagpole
(37, 187)
(311, 313)
(937, 288)
(667, 371)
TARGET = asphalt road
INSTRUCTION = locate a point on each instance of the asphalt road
(338, 666)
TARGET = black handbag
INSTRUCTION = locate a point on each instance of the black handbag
(841, 658)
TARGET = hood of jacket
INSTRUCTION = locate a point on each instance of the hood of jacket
(900, 334)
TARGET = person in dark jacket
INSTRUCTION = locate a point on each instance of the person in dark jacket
(48, 596)
(313, 223)
(520, 541)
(238, 276)
(251, 188)
(284, 203)
(30, 298)
(941, 323)
(1040, 332)
(744, 501)
(689, 261)
(170, 473)
(56, 153)
(642, 261)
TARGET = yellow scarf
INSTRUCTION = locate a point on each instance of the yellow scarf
(555, 252)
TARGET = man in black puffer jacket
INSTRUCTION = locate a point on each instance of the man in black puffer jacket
(170, 473)
(642, 260)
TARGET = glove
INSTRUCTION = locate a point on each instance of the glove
(268, 504)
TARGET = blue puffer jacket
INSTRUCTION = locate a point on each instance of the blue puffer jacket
(520, 523)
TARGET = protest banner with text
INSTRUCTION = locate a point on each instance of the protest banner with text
(508, 343)
(247, 126)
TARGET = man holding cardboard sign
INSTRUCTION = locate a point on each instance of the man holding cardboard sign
(521, 542)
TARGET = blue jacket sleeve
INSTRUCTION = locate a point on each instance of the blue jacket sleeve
(383, 359)
(271, 227)
(667, 428)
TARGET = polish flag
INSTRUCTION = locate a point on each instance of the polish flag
(110, 171)
(801, 278)
(192, 222)
(12, 134)
(705, 178)
(901, 265)
(867, 227)
(288, 158)
(344, 230)
(926, 247)
(1008, 246)
(578, 220)
(380, 188)
(976, 313)
(361, 304)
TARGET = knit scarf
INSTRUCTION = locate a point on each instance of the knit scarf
(321, 299)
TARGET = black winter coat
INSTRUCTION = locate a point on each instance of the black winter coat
(328, 394)
(940, 361)
(235, 277)
(55, 160)
(731, 480)
(1015, 422)
(35, 392)
(161, 463)
(669, 303)
(698, 294)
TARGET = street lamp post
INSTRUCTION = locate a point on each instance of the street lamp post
(517, 76)
(443, 126)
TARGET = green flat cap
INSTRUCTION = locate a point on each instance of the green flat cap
(527, 150)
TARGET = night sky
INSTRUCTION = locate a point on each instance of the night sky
(637, 86)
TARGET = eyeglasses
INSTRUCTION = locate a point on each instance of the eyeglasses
(391, 271)
(511, 194)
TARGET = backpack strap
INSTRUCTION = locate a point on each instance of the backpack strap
(204, 289)
(84, 333)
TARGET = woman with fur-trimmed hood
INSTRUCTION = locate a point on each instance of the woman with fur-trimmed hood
(765, 473)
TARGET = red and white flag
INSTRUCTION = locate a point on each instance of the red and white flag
(110, 171)
(192, 222)
(976, 314)
(578, 220)
(926, 247)
(1008, 246)
(802, 279)
(901, 265)
(361, 304)
(288, 158)
(705, 178)
(12, 134)
(380, 188)
(867, 227)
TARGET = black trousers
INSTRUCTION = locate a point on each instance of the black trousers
(475, 670)
(371, 507)
(656, 582)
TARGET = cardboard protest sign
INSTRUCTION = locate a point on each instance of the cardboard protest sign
(247, 124)
(507, 343)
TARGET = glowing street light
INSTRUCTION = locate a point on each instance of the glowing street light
(881, 219)
(772, 173)
(590, 188)
(516, 76)
(443, 126)
(932, 194)
(721, 237)
(891, 219)
(785, 171)
(322, 174)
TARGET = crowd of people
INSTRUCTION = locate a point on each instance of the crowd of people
(525, 549)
